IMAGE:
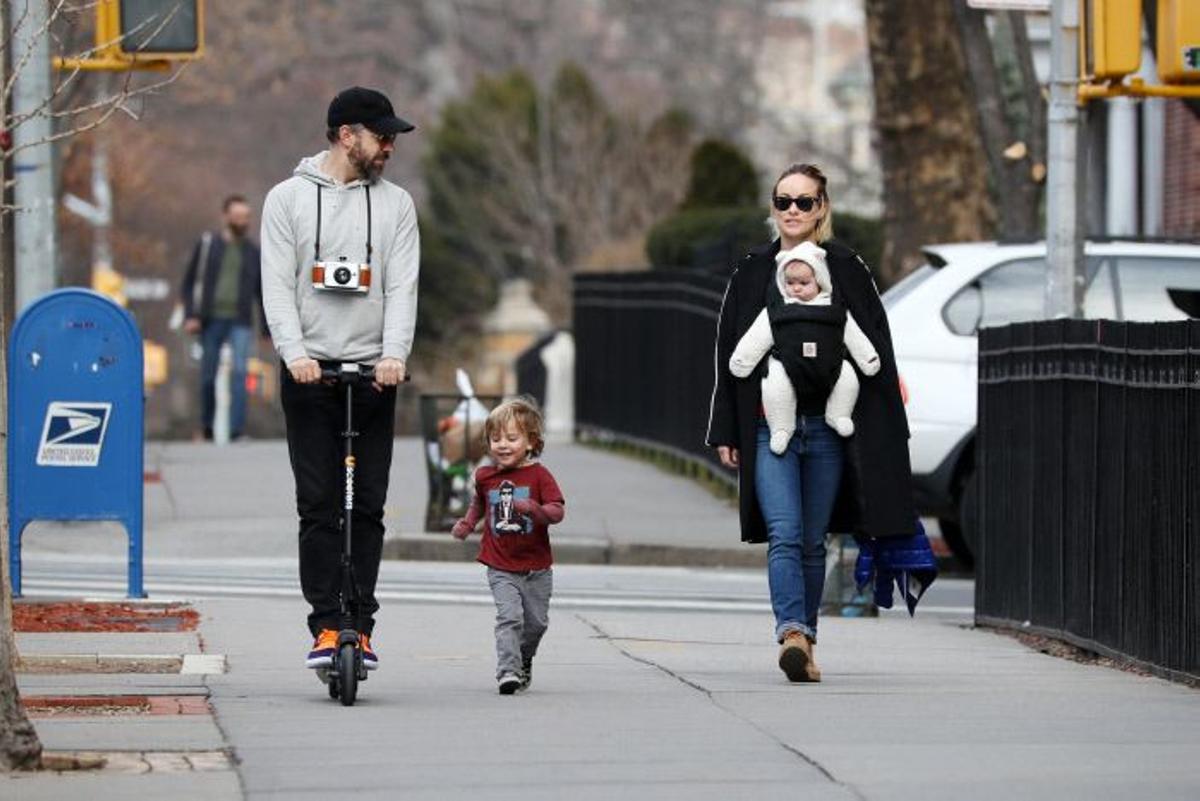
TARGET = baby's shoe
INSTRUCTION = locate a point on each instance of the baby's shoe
(842, 425)
(779, 441)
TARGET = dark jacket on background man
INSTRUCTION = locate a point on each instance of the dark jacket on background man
(200, 280)
(875, 497)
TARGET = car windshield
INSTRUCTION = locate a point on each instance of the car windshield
(907, 284)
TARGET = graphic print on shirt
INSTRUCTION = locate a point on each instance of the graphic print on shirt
(502, 510)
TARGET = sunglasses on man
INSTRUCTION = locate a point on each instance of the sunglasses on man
(805, 203)
(382, 139)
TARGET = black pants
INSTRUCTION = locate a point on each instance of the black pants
(316, 417)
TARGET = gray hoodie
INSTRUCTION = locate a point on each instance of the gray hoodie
(332, 325)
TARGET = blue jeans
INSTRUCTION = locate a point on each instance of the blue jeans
(212, 337)
(796, 492)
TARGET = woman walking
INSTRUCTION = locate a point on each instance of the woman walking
(821, 482)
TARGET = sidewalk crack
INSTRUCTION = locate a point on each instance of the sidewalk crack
(712, 698)
(235, 760)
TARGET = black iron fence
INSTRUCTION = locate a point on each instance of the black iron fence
(531, 371)
(1089, 459)
(644, 356)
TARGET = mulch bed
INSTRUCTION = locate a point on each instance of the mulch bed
(88, 616)
(42, 706)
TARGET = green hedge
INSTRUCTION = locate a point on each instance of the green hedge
(706, 237)
(714, 238)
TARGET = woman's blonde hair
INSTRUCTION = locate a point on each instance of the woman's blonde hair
(824, 228)
(522, 412)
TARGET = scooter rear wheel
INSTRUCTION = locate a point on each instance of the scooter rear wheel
(347, 670)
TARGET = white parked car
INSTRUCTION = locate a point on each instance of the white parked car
(936, 310)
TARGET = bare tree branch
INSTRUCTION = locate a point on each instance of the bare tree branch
(1035, 102)
(107, 108)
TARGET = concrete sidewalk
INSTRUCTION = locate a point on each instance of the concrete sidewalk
(239, 499)
(632, 705)
(174, 749)
(653, 683)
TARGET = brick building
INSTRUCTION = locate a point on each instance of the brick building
(1181, 179)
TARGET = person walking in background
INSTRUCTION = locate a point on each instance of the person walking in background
(221, 294)
(341, 254)
(518, 500)
(820, 482)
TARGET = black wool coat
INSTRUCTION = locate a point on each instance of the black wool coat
(875, 495)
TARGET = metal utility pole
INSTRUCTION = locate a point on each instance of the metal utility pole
(1064, 190)
(1154, 125)
(34, 229)
(1121, 157)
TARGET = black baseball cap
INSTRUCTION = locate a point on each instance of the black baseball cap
(367, 107)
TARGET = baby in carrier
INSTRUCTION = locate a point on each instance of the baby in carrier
(807, 336)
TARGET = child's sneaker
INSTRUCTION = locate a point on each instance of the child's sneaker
(508, 683)
(370, 661)
(321, 655)
(527, 673)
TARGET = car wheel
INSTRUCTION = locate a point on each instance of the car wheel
(968, 515)
(952, 533)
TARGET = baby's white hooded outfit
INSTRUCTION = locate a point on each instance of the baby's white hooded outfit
(778, 392)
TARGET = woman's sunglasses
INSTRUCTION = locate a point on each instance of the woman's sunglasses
(804, 202)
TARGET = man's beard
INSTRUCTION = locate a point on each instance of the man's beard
(368, 170)
(238, 231)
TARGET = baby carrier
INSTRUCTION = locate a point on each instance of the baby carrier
(809, 342)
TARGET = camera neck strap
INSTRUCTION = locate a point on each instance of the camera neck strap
(317, 243)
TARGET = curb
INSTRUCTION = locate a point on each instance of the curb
(441, 547)
(429, 547)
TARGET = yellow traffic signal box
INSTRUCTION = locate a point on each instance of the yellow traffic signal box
(171, 30)
(1111, 41)
(1178, 46)
(110, 283)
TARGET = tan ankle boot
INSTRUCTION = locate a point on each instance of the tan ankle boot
(795, 656)
(812, 673)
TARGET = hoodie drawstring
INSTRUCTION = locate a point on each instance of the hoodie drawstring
(317, 241)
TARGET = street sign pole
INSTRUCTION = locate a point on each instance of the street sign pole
(1065, 178)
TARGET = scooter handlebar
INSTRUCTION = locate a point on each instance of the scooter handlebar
(354, 373)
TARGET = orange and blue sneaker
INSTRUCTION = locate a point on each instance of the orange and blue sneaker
(370, 661)
(321, 655)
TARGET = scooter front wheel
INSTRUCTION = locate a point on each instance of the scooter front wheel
(347, 670)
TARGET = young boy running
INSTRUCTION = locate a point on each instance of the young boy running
(518, 499)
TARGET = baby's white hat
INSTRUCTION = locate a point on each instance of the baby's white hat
(811, 254)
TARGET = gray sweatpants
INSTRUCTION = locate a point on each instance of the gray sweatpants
(522, 614)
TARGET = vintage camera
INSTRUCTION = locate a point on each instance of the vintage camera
(341, 276)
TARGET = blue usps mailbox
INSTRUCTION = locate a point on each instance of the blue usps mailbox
(75, 420)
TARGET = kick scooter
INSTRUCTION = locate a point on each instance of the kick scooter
(348, 668)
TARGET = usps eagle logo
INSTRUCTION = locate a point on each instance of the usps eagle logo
(73, 434)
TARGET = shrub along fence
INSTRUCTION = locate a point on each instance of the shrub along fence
(644, 358)
(1089, 455)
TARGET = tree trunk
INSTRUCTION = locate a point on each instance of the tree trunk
(20, 748)
(1016, 192)
(934, 167)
